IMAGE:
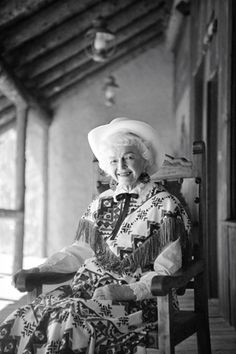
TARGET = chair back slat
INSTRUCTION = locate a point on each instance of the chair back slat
(186, 180)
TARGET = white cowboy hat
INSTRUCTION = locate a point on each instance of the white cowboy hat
(118, 125)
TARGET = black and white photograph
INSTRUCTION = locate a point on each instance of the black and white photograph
(118, 176)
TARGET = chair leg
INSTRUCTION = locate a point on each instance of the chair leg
(203, 337)
(201, 306)
(165, 314)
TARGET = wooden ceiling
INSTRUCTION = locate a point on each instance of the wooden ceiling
(43, 43)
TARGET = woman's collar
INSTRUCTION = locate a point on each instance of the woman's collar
(139, 189)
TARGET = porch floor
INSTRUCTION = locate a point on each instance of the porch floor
(223, 336)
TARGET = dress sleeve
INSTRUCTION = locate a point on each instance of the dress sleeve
(71, 257)
(68, 259)
(167, 263)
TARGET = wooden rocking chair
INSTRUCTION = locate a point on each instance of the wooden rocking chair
(173, 327)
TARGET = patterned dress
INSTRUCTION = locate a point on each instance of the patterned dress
(129, 236)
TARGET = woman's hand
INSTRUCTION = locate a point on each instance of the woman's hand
(114, 292)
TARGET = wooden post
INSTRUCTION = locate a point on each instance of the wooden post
(45, 191)
(23, 100)
(21, 123)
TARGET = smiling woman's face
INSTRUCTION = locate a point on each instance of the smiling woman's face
(126, 164)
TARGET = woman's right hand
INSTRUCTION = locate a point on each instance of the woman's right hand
(114, 292)
(19, 278)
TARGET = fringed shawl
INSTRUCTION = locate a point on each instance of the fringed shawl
(171, 228)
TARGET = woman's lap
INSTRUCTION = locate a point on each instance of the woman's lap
(63, 322)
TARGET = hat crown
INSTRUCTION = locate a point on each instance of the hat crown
(119, 119)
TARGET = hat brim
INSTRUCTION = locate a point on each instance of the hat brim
(99, 134)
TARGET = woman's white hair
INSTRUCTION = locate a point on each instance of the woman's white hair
(124, 139)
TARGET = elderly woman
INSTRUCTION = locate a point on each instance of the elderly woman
(128, 234)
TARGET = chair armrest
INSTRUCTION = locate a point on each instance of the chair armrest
(162, 284)
(28, 281)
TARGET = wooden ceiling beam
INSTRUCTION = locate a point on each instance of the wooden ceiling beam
(100, 73)
(127, 11)
(16, 93)
(129, 31)
(4, 102)
(65, 31)
(50, 59)
(75, 49)
(8, 125)
(9, 87)
(7, 115)
(134, 12)
(91, 67)
(12, 10)
(43, 21)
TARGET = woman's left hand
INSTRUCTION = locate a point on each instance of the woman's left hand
(114, 292)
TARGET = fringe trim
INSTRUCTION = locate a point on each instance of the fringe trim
(86, 232)
(171, 228)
